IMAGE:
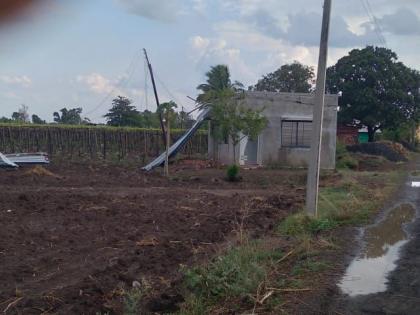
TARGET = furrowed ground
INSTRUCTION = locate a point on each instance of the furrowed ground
(98, 239)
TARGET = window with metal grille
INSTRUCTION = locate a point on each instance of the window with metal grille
(296, 133)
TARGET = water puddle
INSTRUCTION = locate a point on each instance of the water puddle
(368, 273)
(415, 184)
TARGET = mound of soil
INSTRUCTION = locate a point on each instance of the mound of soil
(394, 152)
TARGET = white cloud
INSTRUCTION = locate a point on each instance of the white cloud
(99, 84)
(22, 80)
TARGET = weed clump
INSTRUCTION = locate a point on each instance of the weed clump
(344, 159)
(301, 224)
(235, 274)
(233, 173)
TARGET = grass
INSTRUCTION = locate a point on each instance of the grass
(353, 201)
(134, 297)
(237, 279)
(233, 275)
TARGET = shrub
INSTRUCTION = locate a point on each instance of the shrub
(347, 162)
(233, 173)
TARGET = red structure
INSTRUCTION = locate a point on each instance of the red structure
(347, 134)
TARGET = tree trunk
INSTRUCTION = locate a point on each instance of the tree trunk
(371, 133)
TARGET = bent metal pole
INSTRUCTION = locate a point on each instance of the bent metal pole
(318, 116)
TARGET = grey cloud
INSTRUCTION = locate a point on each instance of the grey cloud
(304, 29)
(162, 10)
(402, 22)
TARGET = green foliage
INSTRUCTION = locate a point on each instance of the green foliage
(132, 300)
(37, 120)
(22, 115)
(235, 274)
(377, 91)
(5, 120)
(230, 119)
(69, 116)
(344, 160)
(122, 113)
(301, 224)
(233, 173)
(307, 266)
(218, 79)
(292, 78)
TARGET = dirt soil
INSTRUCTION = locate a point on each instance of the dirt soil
(74, 239)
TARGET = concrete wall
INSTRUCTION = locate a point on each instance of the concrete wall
(278, 107)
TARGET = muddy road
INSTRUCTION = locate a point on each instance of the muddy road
(384, 277)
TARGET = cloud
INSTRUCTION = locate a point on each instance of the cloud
(402, 22)
(23, 80)
(304, 29)
(99, 84)
(161, 10)
(208, 52)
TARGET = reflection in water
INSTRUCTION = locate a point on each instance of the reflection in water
(367, 273)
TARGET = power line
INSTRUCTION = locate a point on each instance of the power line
(377, 23)
(376, 27)
(123, 82)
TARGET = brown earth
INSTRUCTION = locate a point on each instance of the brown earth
(74, 239)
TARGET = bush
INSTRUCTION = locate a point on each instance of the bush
(347, 162)
(233, 173)
(344, 159)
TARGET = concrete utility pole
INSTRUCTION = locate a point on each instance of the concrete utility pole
(318, 116)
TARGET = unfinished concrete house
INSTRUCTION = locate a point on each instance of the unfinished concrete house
(287, 138)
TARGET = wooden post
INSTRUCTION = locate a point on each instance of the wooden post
(166, 168)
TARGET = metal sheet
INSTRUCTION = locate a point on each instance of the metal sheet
(174, 149)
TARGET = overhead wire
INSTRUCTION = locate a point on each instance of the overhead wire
(376, 26)
(377, 23)
(122, 83)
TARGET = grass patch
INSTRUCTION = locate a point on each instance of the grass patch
(134, 297)
(344, 160)
(234, 275)
(299, 224)
(308, 266)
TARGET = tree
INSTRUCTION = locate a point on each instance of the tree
(21, 115)
(230, 118)
(218, 79)
(69, 116)
(292, 78)
(5, 120)
(377, 91)
(123, 113)
(37, 120)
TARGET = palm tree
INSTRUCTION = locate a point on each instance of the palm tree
(218, 79)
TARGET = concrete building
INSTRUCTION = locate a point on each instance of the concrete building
(287, 138)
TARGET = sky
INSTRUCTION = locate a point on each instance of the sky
(83, 53)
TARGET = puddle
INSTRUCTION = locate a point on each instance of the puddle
(368, 273)
(415, 184)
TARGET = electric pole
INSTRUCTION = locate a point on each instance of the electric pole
(318, 116)
(152, 77)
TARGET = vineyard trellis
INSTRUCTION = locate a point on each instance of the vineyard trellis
(94, 142)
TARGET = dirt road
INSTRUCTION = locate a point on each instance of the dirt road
(384, 278)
